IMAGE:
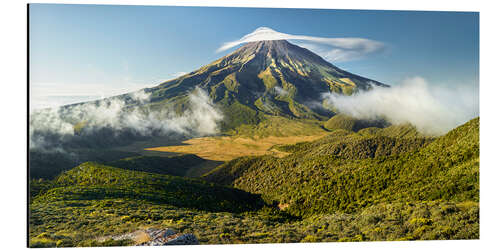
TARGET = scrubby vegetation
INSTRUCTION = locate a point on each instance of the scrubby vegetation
(91, 181)
(82, 223)
(351, 145)
(278, 126)
(346, 172)
(341, 121)
(347, 186)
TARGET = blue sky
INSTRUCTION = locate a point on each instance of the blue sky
(98, 50)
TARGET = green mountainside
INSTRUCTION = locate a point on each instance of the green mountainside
(273, 78)
(349, 145)
(346, 172)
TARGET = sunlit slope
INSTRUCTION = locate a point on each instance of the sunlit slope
(323, 178)
(226, 148)
(273, 78)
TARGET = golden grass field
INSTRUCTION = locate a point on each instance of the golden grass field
(225, 148)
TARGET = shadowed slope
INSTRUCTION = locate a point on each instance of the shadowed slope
(92, 181)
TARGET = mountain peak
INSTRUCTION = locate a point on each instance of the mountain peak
(270, 43)
(266, 45)
(277, 47)
(270, 76)
(273, 51)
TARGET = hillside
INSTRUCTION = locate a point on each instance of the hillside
(94, 200)
(341, 121)
(91, 181)
(362, 145)
(427, 190)
(325, 177)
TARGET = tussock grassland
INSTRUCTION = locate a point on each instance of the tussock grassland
(225, 148)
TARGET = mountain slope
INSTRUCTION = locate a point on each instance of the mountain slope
(265, 77)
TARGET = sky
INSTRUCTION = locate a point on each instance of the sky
(83, 52)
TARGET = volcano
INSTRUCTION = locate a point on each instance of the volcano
(272, 77)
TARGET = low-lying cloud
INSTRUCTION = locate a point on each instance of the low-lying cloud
(332, 49)
(61, 124)
(280, 91)
(430, 108)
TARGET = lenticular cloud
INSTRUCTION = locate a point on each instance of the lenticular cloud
(332, 49)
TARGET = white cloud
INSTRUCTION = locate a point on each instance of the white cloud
(280, 91)
(49, 125)
(332, 49)
(141, 96)
(432, 109)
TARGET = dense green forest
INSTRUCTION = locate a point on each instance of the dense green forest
(364, 184)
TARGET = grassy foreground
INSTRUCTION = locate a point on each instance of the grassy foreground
(81, 223)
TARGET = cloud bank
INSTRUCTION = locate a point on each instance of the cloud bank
(61, 124)
(430, 108)
(332, 49)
